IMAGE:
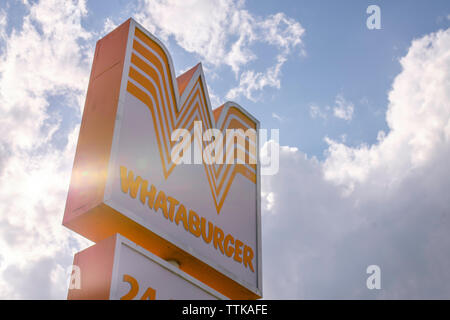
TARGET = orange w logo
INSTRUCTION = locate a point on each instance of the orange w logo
(151, 80)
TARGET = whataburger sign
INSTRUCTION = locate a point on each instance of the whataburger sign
(204, 216)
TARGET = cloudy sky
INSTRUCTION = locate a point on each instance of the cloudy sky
(364, 120)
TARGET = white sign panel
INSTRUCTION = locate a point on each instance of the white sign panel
(139, 274)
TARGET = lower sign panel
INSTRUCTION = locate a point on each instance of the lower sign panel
(117, 268)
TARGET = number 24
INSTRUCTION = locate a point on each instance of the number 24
(149, 294)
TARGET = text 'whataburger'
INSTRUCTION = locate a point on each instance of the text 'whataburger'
(176, 212)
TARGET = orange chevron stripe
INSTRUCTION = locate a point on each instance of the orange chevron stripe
(158, 94)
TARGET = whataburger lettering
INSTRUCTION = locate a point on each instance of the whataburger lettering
(176, 212)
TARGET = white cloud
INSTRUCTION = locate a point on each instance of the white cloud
(417, 116)
(109, 25)
(343, 109)
(3, 22)
(384, 204)
(278, 117)
(222, 32)
(316, 112)
(45, 58)
(214, 98)
(42, 59)
(252, 82)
